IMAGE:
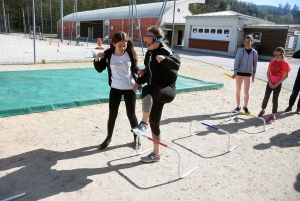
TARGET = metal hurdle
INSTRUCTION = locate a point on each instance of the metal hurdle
(165, 145)
(251, 115)
(214, 127)
(14, 197)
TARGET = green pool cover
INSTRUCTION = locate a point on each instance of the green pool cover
(25, 92)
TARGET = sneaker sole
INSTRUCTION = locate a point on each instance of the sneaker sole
(137, 131)
(147, 161)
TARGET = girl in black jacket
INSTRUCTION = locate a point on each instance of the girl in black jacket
(121, 63)
(161, 71)
(296, 89)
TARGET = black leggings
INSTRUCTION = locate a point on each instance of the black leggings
(296, 90)
(268, 92)
(115, 97)
(160, 96)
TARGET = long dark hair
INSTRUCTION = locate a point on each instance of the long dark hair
(119, 36)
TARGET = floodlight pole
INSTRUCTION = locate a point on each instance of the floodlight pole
(4, 17)
(28, 19)
(173, 25)
(42, 20)
(24, 23)
(76, 18)
(132, 20)
(33, 21)
(129, 18)
(51, 20)
(8, 23)
(62, 20)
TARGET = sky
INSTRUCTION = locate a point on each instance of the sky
(274, 2)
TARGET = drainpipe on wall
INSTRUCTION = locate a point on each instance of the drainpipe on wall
(173, 29)
(237, 36)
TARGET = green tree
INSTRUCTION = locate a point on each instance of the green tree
(222, 5)
(286, 19)
(270, 17)
(193, 8)
(287, 8)
(295, 11)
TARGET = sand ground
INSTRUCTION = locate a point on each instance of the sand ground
(54, 156)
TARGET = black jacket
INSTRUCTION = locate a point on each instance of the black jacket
(296, 55)
(102, 65)
(160, 74)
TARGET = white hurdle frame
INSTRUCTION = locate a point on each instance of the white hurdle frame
(216, 128)
(251, 115)
(165, 145)
(14, 197)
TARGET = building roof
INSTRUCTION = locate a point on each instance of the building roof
(272, 26)
(140, 11)
(228, 13)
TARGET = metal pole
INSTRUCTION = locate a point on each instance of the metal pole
(70, 32)
(129, 1)
(76, 18)
(72, 23)
(139, 25)
(132, 20)
(50, 21)
(24, 23)
(29, 31)
(62, 20)
(4, 17)
(173, 26)
(1, 24)
(42, 20)
(8, 23)
(33, 22)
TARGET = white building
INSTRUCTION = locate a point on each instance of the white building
(218, 32)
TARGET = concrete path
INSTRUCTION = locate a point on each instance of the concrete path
(228, 62)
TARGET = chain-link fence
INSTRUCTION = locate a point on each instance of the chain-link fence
(17, 24)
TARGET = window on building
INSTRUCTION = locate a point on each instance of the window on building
(257, 37)
(213, 31)
(226, 31)
(200, 30)
(219, 31)
(194, 30)
(206, 30)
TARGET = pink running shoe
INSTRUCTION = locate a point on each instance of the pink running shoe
(261, 113)
(271, 119)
